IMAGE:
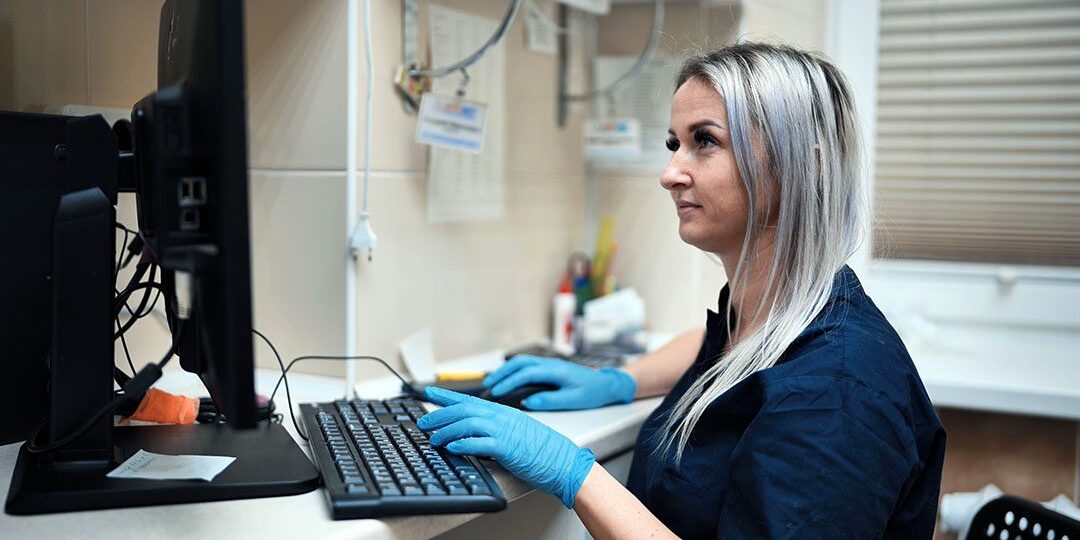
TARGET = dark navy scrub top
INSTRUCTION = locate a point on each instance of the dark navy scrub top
(838, 440)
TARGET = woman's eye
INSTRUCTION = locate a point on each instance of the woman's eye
(704, 140)
(672, 144)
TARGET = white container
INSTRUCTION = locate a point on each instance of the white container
(562, 324)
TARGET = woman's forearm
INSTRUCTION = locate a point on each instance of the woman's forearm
(608, 510)
(657, 372)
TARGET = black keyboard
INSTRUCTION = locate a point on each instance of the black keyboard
(374, 462)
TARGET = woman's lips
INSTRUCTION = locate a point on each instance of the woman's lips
(686, 208)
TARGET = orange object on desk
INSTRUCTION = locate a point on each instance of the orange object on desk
(165, 408)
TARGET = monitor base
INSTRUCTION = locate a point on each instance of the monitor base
(268, 464)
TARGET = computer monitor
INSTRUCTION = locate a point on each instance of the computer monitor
(192, 187)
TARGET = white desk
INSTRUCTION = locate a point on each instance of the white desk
(1042, 386)
(608, 432)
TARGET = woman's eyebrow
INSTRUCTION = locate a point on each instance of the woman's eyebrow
(700, 124)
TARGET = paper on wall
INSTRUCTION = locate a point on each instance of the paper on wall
(613, 139)
(462, 186)
(539, 34)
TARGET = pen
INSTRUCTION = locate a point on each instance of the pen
(459, 375)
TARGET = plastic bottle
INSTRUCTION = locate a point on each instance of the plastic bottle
(562, 325)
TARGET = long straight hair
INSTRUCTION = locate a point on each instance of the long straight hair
(799, 108)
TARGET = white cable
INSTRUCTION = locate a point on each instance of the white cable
(362, 236)
(367, 235)
(350, 189)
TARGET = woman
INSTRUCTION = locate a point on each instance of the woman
(797, 412)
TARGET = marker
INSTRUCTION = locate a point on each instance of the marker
(459, 375)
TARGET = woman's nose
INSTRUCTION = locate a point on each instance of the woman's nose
(674, 177)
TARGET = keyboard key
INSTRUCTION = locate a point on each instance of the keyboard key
(357, 489)
(457, 490)
(457, 461)
(433, 489)
(479, 489)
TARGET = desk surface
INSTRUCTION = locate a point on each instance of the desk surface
(1037, 386)
(607, 432)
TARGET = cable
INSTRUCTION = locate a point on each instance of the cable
(136, 277)
(635, 70)
(120, 255)
(282, 364)
(127, 354)
(122, 300)
(508, 19)
(146, 296)
(137, 386)
(285, 371)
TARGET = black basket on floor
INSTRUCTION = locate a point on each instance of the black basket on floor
(1011, 518)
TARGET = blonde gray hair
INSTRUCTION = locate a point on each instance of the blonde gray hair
(799, 109)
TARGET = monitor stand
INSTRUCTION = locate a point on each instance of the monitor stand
(268, 464)
(72, 477)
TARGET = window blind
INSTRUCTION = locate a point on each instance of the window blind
(978, 131)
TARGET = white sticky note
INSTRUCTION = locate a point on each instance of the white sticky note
(451, 122)
(418, 354)
(539, 35)
(151, 466)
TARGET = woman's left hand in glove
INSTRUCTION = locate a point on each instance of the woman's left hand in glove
(523, 445)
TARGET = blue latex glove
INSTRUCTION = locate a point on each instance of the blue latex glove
(523, 445)
(580, 387)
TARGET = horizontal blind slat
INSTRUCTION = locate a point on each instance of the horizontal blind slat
(1043, 128)
(899, 7)
(988, 39)
(1015, 56)
(1001, 94)
(959, 112)
(1009, 143)
(977, 76)
(891, 156)
(938, 21)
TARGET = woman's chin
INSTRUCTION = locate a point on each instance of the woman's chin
(692, 236)
(700, 239)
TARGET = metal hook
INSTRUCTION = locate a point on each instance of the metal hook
(464, 82)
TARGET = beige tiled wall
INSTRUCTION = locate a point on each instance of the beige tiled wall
(42, 53)
(296, 53)
(121, 50)
(800, 23)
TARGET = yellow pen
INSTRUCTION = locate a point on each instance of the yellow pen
(459, 375)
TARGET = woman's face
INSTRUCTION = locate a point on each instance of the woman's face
(702, 176)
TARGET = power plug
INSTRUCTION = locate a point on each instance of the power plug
(363, 237)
